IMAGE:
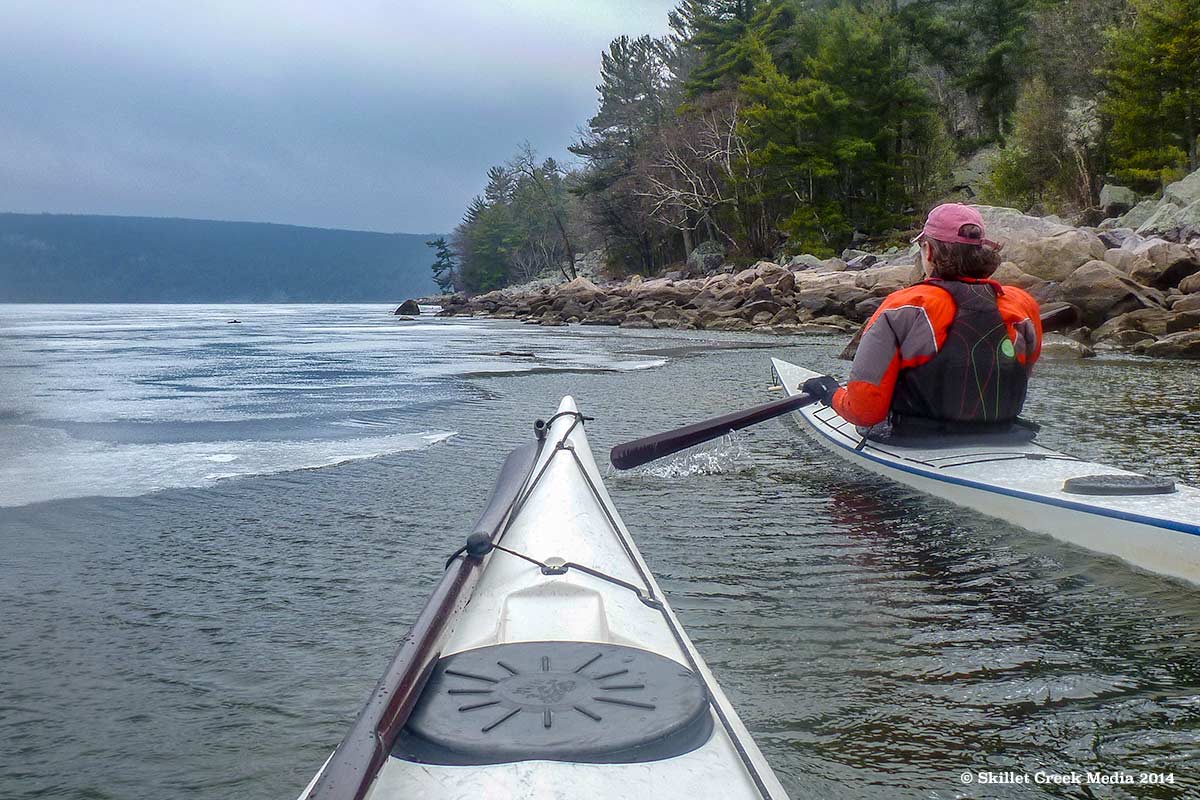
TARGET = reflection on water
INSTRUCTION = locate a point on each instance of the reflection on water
(216, 642)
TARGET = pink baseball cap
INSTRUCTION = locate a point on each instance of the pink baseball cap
(945, 224)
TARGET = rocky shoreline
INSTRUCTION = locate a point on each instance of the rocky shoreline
(1133, 283)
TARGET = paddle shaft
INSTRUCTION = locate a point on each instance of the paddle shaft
(641, 451)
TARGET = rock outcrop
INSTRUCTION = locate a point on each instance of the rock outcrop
(409, 308)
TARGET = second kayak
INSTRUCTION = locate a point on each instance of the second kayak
(548, 664)
(1150, 522)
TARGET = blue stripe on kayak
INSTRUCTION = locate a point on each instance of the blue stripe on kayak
(1156, 522)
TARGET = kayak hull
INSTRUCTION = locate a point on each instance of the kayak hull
(1023, 484)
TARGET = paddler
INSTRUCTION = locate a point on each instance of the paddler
(950, 355)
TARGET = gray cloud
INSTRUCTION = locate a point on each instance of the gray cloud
(356, 114)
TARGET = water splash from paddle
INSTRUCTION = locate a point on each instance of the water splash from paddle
(727, 455)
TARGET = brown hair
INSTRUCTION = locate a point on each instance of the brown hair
(954, 260)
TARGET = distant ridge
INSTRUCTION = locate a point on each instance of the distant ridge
(67, 258)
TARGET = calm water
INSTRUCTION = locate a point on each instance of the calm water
(215, 638)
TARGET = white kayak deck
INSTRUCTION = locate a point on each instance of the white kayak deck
(567, 515)
(1022, 483)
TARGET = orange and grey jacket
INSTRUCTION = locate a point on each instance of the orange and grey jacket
(945, 353)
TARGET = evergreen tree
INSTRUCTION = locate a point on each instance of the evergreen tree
(634, 85)
(1153, 100)
(716, 29)
(443, 266)
(837, 140)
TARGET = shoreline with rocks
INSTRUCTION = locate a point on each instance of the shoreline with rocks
(1132, 282)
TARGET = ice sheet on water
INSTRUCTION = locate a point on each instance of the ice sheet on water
(51, 465)
(122, 400)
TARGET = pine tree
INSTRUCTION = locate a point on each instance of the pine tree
(1153, 100)
(634, 86)
(717, 28)
(443, 266)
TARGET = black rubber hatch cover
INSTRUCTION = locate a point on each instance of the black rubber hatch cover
(1118, 485)
(558, 701)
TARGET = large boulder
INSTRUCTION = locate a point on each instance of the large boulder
(1189, 302)
(1116, 200)
(581, 290)
(1147, 320)
(1040, 246)
(968, 177)
(1056, 344)
(1185, 344)
(1164, 263)
(1055, 257)
(882, 281)
(1124, 259)
(861, 262)
(1119, 237)
(1100, 291)
(660, 291)
(409, 308)
(1164, 218)
(1010, 274)
(1190, 284)
(706, 258)
(804, 261)
(1006, 224)
(1184, 192)
(1137, 216)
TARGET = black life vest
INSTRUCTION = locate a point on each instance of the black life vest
(974, 384)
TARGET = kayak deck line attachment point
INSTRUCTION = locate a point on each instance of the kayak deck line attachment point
(1118, 485)
(559, 567)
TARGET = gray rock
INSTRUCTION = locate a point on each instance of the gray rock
(804, 261)
(1123, 338)
(1189, 302)
(1148, 320)
(861, 262)
(409, 308)
(1165, 217)
(1056, 256)
(1116, 200)
(1134, 217)
(968, 177)
(1184, 321)
(706, 258)
(1184, 192)
(1055, 344)
(1101, 291)
(1166, 263)
(1010, 274)
(1118, 237)
(1185, 344)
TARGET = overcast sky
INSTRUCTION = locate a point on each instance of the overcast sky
(358, 114)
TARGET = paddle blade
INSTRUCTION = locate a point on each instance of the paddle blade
(642, 451)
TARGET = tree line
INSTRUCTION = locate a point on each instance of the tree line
(788, 126)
